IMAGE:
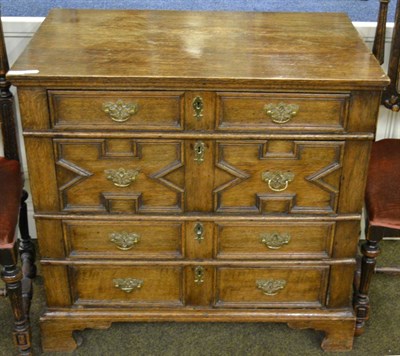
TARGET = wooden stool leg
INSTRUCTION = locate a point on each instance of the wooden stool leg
(370, 250)
(12, 277)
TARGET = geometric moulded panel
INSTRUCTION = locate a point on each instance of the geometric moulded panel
(277, 177)
(120, 175)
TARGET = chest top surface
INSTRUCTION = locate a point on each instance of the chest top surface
(198, 49)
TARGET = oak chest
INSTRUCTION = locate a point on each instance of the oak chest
(194, 166)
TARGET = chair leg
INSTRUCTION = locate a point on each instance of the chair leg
(27, 255)
(26, 247)
(12, 276)
(370, 250)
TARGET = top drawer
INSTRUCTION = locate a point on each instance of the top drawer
(119, 110)
(282, 112)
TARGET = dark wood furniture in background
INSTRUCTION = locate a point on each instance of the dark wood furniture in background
(197, 166)
(390, 96)
(18, 285)
(382, 196)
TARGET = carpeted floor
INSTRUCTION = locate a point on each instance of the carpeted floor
(234, 339)
(358, 10)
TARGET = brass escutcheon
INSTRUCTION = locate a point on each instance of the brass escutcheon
(199, 151)
(120, 111)
(199, 232)
(281, 113)
(275, 240)
(127, 284)
(199, 275)
(121, 177)
(124, 240)
(271, 286)
(277, 180)
(197, 105)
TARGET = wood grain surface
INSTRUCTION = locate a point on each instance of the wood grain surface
(226, 48)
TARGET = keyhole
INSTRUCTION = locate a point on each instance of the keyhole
(199, 149)
(199, 230)
(199, 275)
(198, 107)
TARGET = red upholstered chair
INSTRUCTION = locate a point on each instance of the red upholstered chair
(13, 214)
(382, 194)
(382, 205)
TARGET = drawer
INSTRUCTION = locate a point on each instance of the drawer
(119, 110)
(284, 240)
(277, 177)
(282, 112)
(280, 287)
(120, 175)
(137, 286)
(123, 239)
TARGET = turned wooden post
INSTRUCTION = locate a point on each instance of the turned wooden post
(378, 48)
(12, 277)
(7, 113)
(27, 254)
(390, 97)
(370, 251)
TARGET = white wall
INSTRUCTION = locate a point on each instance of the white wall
(19, 30)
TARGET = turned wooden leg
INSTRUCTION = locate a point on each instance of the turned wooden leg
(27, 254)
(370, 250)
(26, 247)
(12, 277)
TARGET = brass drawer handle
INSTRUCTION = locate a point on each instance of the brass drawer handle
(271, 286)
(127, 284)
(277, 180)
(281, 113)
(199, 232)
(121, 177)
(199, 151)
(199, 275)
(120, 111)
(274, 240)
(124, 240)
(198, 106)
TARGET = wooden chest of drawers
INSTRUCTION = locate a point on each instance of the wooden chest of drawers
(197, 167)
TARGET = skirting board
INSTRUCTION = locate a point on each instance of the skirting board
(19, 30)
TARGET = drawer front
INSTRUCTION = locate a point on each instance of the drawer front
(120, 175)
(280, 287)
(117, 110)
(123, 239)
(127, 286)
(285, 240)
(149, 176)
(282, 112)
(277, 177)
